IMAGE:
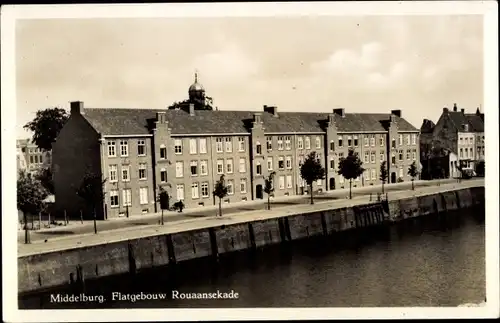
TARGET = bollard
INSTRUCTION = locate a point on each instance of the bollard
(65, 218)
(81, 216)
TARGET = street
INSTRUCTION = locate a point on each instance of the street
(76, 228)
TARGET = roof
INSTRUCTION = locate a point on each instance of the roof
(135, 121)
(475, 122)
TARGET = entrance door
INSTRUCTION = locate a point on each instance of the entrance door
(258, 192)
(332, 183)
(393, 177)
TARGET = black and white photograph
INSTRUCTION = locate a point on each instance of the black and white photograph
(262, 160)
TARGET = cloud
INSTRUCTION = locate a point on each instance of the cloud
(342, 60)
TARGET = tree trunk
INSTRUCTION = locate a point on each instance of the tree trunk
(95, 223)
(412, 185)
(268, 202)
(26, 233)
(162, 217)
(220, 206)
(350, 189)
(383, 187)
(311, 189)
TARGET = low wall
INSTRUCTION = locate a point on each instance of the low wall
(53, 269)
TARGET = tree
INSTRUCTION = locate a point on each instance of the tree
(384, 174)
(350, 167)
(480, 168)
(30, 197)
(413, 172)
(44, 175)
(311, 171)
(269, 188)
(163, 199)
(91, 190)
(46, 126)
(220, 191)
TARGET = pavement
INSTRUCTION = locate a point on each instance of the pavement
(75, 227)
(194, 223)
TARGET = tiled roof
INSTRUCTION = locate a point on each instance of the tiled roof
(475, 122)
(135, 121)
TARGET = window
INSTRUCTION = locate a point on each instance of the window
(163, 175)
(461, 140)
(341, 155)
(332, 145)
(179, 169)
(243, 185)
(280, 143)
(141, 147)
(203, 145)
(308, 143)
(258, 168)
(220, 166)
(218, 145)
(367, 157)
(243, 165)
(195, 192)
(349, 141)
(408, 139)
(341, 179)
(192, 146)
(318, 142)
(401, 172)
(281, 163)
(125, 173)
(340, 141)
(393, 158)
(414, 157)
(372, 157)
(300, 143)
(289, 162)
(372, 140)
(229, 144)
(289, 181)
(301, 159)
(365, 141)
(204, 189)
(366, 174)
(241, 143)
(414, 139)
(113, 196)
(461, 152)
(374, 174)
(258, 148)
(127, 197)
(356, 141)
(203, 167)
(143, 195)
(193, 165)
(332, 163)
(269, 143)
(229, 166)
(288, 143)
(31, 160)
(466, 153)
(282, 182)
(230, 187)
(142, 171)
(382, 156)
(123, 148)
(382, 141)
(466, 140)
(163, 152)
(269, 163)
(400, 140)
(408, 157)
(180, 191)
(113, 169)
(471, 152)
(112, 150)
(400, 154)
(393, 145)
(178, 146)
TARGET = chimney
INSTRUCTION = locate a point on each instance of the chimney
(396, 113)
(445, 110)
(76, 107)
(272, 110)
(161, 117)
(191, 109)
(478, 112)
(454, 107)
(339, 112)
(257, 117)
(331, 119)
(462, 110)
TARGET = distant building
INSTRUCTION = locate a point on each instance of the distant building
(186, 150)
(456, 132)
(30, 158)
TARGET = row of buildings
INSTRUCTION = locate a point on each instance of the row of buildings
(185, 150)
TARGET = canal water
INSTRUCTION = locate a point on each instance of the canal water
(430, 261)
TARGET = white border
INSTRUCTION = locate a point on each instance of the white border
(9, 258)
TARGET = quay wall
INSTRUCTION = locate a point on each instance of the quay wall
(52, 269)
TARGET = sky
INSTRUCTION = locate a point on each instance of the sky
(418, 64)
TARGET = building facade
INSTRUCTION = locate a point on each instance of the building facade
(457, 133)
(30, 158)
(185, 151)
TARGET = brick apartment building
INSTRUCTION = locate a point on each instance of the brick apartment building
(186, 150)
(458, 133)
